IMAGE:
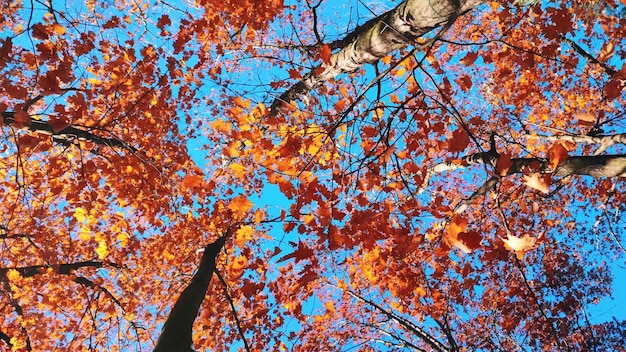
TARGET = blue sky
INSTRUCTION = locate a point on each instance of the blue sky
(336, 17)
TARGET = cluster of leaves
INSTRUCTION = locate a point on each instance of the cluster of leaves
(134, 137)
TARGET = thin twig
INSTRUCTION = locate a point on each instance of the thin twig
(232, 306)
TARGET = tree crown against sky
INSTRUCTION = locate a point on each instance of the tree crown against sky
(417, 175)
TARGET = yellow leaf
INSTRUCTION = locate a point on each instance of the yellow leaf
(79, 214)
(102, 251)
(167, 255)
(238, 169)
(13, 275)
(243, 235)
(85, 233)
(330, 306)
(123, 238)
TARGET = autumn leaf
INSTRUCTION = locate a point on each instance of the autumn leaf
(40, 31)
(5, 49)
(22, 118)
(503, 164)
(557, 154)
(585, 118)
(464, 82)
(459, 141)
(193, 181)
(606, 52)
(102, 250)
(469, 59)
(294, 74)
(458, 236)
(330, 307)
(243, 235)
(325, 53)
(538, 181)
(303, 252)
(519, 244)
(58, 29)
(237, 267)
(13, 275)
(240, 205)
(59, 123)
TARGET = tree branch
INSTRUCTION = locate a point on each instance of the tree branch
(64, 269)
(45, 128)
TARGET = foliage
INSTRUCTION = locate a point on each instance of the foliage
(460, 189)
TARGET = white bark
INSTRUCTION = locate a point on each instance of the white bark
(379, 37)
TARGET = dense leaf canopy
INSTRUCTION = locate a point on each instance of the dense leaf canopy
(311, 175)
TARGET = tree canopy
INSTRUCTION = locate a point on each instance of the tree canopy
(312, 175)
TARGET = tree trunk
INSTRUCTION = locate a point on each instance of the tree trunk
(379, 37)
(177, 331)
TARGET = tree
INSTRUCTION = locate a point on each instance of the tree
(451, 175)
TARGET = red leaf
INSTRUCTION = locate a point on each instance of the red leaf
(164, 21)
(5, 50)
(325, 53)
(59, 123)
(40, 31)
(30, 141)
(22, 119)
(613, 89)
(465, 82)
(49, 83)
(471, 240)
(459, 141)
(469, 59)
(293, 73)
(302, 253)
(503, 164)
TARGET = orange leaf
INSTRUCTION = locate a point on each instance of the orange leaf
(240, 204)
(325, 53)
(243, 235)
(585, 118)
(193, 181)
(457, 235)
(540, 182)
(242, 103)
(606, 52)
(58, 29)
(557, 154)
(330, 306)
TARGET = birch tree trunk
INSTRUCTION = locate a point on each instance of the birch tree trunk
(378, 37)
